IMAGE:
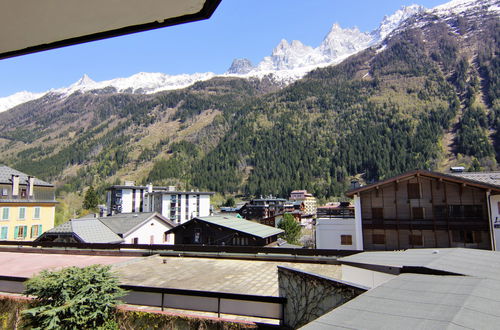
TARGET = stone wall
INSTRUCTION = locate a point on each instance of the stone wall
(309, 296)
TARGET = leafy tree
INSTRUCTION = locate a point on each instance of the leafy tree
(73, 298)
(91, 199)
(291, 227)
(230, 202)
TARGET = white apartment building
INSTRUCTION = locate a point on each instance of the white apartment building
(177, 206)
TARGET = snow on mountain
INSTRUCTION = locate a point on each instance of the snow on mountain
(288, 61)
(21, 97)
(455, 7)
(392, 22)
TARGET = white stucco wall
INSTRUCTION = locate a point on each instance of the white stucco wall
(153, 228)
(328, 232)
(126, 200)
(495, 219)
(365, 277)
(204, 206)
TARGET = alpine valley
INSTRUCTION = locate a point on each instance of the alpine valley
(421, 91)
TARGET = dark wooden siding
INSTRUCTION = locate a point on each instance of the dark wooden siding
(443, 210)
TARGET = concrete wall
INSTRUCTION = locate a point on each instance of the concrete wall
(310, 296)
(329, 232)
(364, 277)
(153, 228)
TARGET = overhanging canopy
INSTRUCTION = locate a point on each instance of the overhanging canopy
(28, 26)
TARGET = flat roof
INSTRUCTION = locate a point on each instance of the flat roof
(414, 301)
(29, 264)
(471, 262)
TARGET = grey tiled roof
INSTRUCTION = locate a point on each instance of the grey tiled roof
(492, 178)
(105, 229)
(242, 225)
(90, 230)
(414, 301)
(7, 172)
(124, 222)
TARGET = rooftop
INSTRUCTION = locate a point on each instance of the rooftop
(7, 172)
(241, 225)
(424, 300)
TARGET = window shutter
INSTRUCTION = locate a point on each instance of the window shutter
(32, 231)
(16, 231)
(4, 233)
(39, 230)
(25, 231)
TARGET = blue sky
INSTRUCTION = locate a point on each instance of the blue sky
(238, 28)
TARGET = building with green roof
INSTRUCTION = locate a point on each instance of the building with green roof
(225, 230)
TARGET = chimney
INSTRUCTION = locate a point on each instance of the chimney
(15, 185)
(150, 188)
(31, 184)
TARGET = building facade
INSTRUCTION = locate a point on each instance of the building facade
(422, 209)
(177, 206)
(308, 199)
(27, 205)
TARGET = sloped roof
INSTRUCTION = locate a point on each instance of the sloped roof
(471, 262)
(447, 177)
(124, 223)
(7, 172)
(105, 229)
(492, 178)
(240, 225)
(89, 230)
(414, 301)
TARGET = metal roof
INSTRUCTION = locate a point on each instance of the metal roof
(471, 262)
(7, 172)
(241, 225)
(414, 301)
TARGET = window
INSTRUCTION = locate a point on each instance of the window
(345, 239)
(473, 211)
(466, 236)
(22, 213)
(165, 237)
(377, 213)
(135, 240)
(5, 191)
(36, 230)
(23, 193)
(4, 231)
(5, 213)
(414, 191)
(20, 232)
(152, 239)
(378, 239)
(418, 213)
(36, 212)
(197, 234)
(456, 211)
(440, 212)
(416, 240)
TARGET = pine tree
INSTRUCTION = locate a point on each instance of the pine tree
(91, 200)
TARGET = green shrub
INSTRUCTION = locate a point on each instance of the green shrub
(73, 298)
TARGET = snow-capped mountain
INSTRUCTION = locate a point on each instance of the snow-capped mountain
(288, 61)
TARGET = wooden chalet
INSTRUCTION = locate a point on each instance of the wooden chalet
(422, 209)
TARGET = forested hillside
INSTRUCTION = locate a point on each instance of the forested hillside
(426, 98)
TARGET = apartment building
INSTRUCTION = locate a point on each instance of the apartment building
(27, 205)
(308, 199)
(177, 206)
